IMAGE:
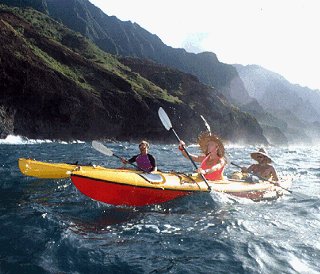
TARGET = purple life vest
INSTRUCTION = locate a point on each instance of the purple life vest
(144, 163)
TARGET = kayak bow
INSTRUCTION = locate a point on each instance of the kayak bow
(45, 170)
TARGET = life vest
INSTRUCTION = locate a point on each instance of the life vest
(216, 175)
(143, 162)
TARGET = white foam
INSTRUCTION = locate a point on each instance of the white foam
(225, 198)
(300, 265)
(20, 140)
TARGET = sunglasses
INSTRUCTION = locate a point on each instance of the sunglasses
(260, 157)
(145, 145)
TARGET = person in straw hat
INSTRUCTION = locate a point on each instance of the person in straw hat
(212, 160)
(263, 168)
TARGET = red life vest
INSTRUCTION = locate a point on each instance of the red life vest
(216, 175)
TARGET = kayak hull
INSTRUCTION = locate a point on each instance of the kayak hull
(134, 188)
(122, 194)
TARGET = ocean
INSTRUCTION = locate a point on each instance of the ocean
(48, 226)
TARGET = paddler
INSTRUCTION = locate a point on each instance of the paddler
(263, 168)
(144, 160)
(212, 160)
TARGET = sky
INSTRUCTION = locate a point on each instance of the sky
(279, 35)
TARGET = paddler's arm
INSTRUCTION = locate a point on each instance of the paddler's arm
(130, 161)
(219, 165)
(274, 174)
(195, 158)
(247, 169)
(152, 162)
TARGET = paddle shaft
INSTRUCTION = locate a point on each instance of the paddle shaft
(131, 163)
(165, 120)
(189, 156)
(262, 178)
(121, 159)
(107, 151)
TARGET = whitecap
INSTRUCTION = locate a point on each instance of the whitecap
(20, 140)
(225, 198)
(169, 229)
(153, 227)
(300, 266)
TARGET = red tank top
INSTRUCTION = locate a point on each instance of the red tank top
(216, 175)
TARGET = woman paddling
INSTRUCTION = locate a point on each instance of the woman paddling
(144, 160)
(212, 161)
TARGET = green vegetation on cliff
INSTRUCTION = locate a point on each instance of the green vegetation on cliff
(75, 44)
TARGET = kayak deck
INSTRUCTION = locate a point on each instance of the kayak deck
(45, 170)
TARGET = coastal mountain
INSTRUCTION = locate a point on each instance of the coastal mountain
(291, 108)
(254, 92)
(57, 84)
(129, 39)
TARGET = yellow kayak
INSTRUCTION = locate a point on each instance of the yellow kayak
(45, 170)
(137, 188)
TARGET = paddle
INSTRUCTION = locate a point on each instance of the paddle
(206, 124)
(168, 126)
(107, 151)
(262, 178)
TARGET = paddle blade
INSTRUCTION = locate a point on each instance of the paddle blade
(164, 119)
(206, 124)
(101, 148)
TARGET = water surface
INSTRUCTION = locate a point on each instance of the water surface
(48, 226)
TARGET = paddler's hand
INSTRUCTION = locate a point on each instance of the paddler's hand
(276, 183)
(124, 161)
(244, 170)
(201, 171)
(182, 144)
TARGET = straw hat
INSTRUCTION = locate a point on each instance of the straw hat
(262, 152)
(206, 137)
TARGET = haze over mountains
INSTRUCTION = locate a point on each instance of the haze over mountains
(291, 108)
(249, 89)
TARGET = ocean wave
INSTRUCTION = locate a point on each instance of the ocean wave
(20, 140)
